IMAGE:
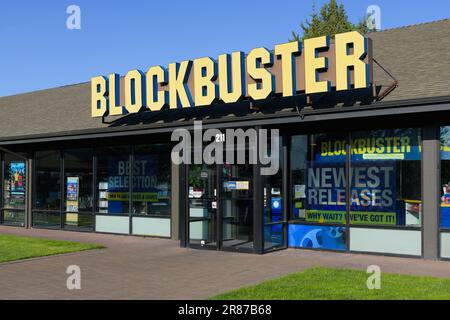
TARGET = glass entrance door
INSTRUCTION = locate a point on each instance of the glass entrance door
(237, 207)
(202, 206)
(220, 207)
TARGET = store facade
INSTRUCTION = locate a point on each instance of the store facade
(362, 169)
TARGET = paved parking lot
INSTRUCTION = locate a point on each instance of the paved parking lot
(147, 268)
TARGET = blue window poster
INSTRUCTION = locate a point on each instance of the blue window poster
(317, 237)
(372, 193)
(148, 185)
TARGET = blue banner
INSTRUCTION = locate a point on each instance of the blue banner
(386, 147)
(146, 186)
(372, 198)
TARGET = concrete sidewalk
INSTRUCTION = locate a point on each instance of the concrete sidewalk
(147, 268)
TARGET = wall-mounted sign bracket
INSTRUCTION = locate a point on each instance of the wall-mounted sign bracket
(389, 89)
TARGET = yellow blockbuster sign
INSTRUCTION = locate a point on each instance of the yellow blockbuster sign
(314, 66)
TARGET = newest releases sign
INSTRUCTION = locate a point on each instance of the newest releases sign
(314, 66)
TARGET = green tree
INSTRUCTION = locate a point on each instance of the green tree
(331, 19)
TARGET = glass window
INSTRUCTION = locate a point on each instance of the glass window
(48, 180)
(113, 180)
(319, 206)
(386, 178)
(445, 177)
(152, 180)
(274, 213)
(47, 190)
(273, 196)
(78, 176)
(383, 183)
(14, 191)
(299, 159)
(78, 187)
(318, 164)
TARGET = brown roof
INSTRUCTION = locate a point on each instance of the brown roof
(418, 56)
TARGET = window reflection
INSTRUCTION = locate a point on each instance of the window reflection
(14, 191)
(47, 201)
(78, 188)
(151, 176)
(445, 177)
(386, 178)
(48, 184)
(113, 180)
(318, 178)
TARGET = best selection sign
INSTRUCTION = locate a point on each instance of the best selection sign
(314, 66)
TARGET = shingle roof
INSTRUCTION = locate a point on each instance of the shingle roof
(45, 111)
(418, 56)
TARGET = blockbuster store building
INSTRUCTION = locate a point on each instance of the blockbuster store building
(363, 145)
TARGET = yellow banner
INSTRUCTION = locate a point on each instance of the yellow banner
(137, 196)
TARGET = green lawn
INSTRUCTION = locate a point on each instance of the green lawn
(342, 284)
(17, 248)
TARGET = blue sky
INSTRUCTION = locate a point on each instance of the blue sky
(37, 51)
